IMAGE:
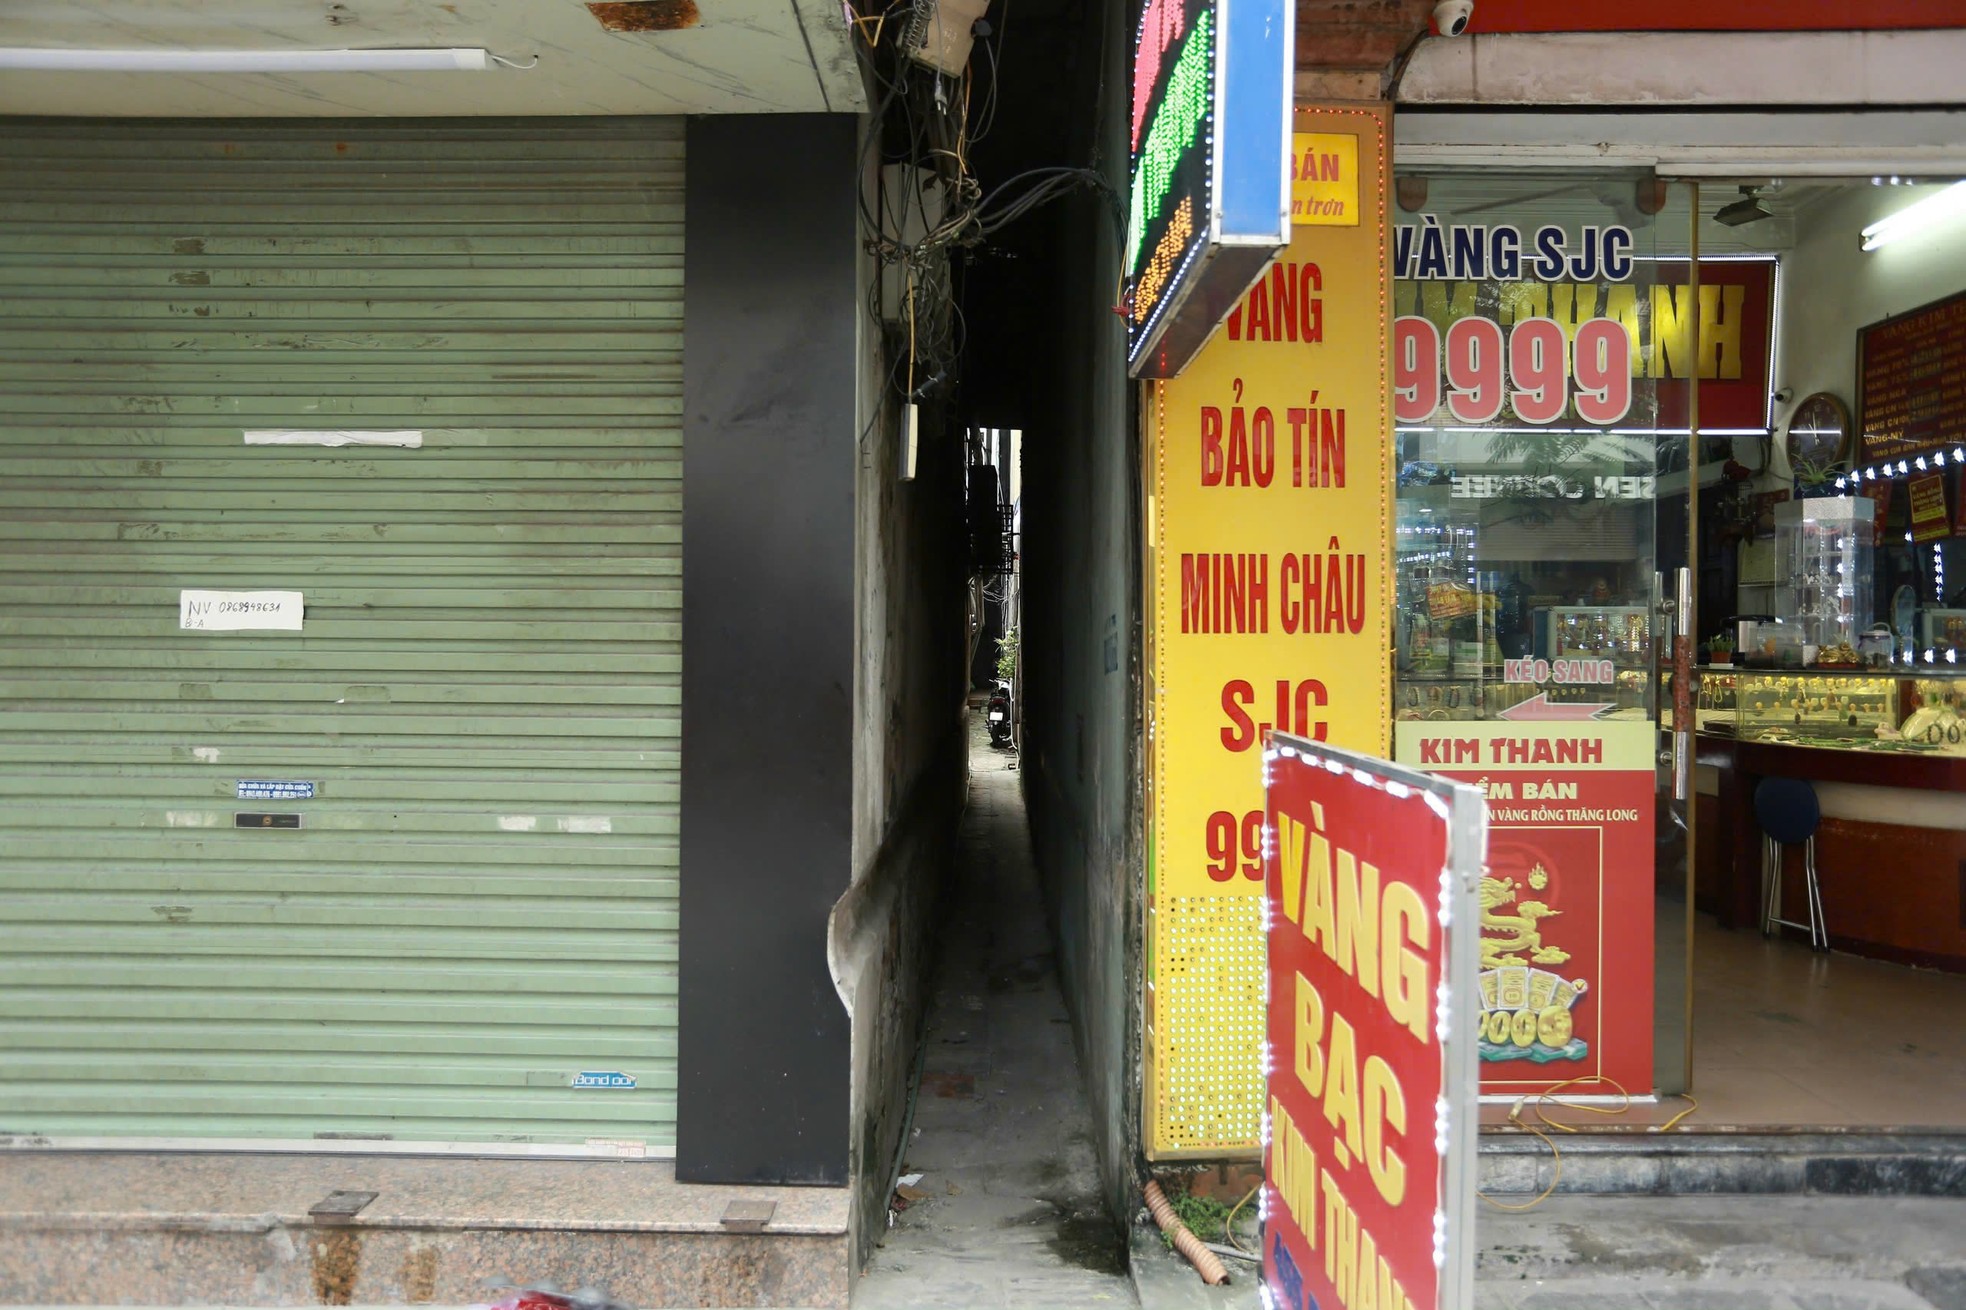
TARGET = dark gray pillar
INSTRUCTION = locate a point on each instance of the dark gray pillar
(768, 561)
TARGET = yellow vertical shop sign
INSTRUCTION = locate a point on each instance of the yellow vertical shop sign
(1268, 560)
(1324, 180)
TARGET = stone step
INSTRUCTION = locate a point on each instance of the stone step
(131, 1228)
(1516, 1164)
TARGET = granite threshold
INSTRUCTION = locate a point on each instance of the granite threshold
(185, 1228)
(1745, 1161)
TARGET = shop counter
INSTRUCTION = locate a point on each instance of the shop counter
(1886, 751)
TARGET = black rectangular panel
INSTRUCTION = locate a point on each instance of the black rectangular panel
(770, 305)
(266, 820)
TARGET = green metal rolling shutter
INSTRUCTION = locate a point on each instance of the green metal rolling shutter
(481, 903)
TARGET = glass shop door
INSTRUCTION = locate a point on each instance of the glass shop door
(1531, 453)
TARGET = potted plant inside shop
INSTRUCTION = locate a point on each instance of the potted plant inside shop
(1813, 480)
(1720, 650)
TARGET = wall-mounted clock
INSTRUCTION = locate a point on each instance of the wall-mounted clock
(1818, 435)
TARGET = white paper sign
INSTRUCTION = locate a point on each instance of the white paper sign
(238, 611)
(408, 439)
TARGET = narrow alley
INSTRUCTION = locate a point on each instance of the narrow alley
(1010, 1211)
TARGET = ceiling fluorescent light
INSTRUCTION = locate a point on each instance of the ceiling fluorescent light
(246, 61)
(1933, 209)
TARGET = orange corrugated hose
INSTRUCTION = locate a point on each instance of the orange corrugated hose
(1204, 1260)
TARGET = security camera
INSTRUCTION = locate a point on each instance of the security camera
(1451, 16)
(1785, 395)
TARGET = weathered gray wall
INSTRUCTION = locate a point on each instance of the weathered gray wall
(910, 766)
(1081, 626)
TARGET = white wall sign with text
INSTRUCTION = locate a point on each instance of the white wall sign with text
(239, 611)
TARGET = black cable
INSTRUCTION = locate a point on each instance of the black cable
(987, 116)
(876, 127)
(1401, 59)
(1053, 184)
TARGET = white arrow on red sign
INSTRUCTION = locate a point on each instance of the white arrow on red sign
(1540, 706)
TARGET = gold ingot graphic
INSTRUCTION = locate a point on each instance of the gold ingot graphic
(1512, 988)
(1524, 1028)
(1553, 1026)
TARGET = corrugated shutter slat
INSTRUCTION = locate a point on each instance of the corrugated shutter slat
(482, 901)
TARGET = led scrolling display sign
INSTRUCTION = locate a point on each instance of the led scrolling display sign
(1210, 197)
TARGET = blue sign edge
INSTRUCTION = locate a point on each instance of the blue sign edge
(1257, 39)
(1252, 179)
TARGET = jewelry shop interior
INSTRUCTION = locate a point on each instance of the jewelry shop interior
(1754, 637)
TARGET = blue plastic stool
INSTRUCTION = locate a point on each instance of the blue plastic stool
(1789, 814)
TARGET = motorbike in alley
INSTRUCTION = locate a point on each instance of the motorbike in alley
(996, 714)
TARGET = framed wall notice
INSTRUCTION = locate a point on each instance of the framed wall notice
(1911, 380)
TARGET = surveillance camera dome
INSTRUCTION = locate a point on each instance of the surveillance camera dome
(1451, 17)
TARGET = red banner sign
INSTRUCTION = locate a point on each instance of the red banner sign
(1369, 1131)
(1929, 520)
(1736, 335)
(1476, 345)
(1567, 902)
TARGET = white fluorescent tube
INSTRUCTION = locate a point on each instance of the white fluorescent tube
(245, 61)
(1936, 208)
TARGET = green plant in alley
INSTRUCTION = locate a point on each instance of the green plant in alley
(1007, 655)
(1205, 1216)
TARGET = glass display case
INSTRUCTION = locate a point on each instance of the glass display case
(1824, 552)
(1942, 630)
(1620, 632)
(1918, 713)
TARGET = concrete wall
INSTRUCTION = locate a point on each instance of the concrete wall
(1831, 287)
(909, 765)
(1081, 643)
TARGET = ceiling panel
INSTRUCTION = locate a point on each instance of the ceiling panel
(731, 56)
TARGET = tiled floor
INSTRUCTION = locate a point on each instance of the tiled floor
(1785, 1035)
(1785, 1038)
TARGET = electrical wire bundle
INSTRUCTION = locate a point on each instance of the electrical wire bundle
(928, 122)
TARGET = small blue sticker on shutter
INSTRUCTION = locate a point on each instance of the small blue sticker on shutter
(605, 1081)
(266, 789)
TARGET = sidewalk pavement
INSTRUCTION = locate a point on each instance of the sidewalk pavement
(1674, 1253)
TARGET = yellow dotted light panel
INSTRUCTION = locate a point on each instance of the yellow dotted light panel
(1207, 1017)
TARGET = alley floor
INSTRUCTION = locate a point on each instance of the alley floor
(1010, 1213)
